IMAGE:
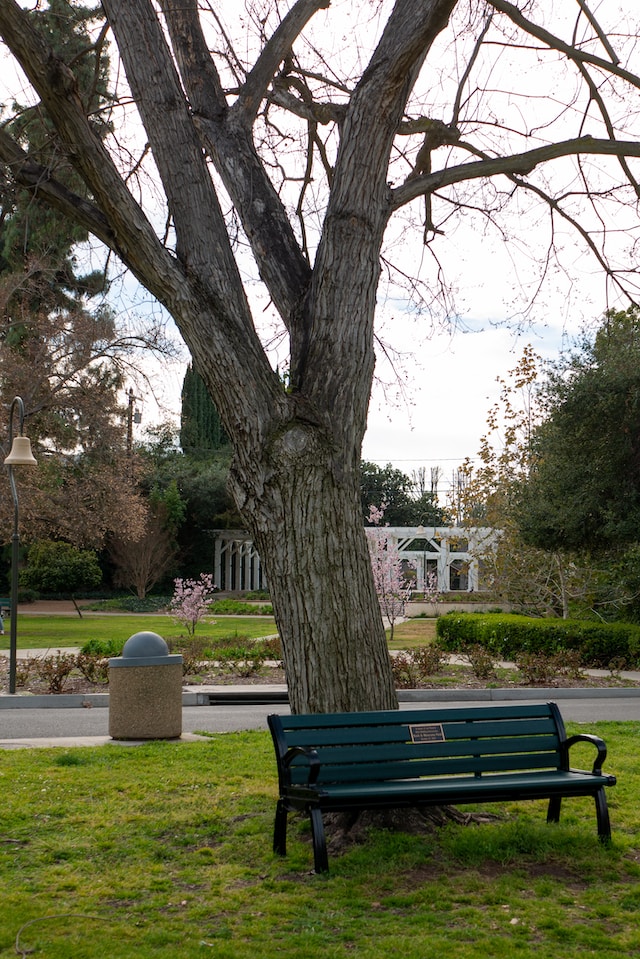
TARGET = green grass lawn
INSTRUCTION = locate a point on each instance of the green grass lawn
(164, 851)
(413, 632)
(58, 632)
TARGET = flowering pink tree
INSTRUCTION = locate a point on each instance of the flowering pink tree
(190, 601)
(431, 589)
(388, 575)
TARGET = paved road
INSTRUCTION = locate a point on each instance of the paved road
(78, 723)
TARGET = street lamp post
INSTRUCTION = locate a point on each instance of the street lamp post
(20, 455)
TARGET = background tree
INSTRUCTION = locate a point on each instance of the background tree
(201, 482)
(145, 558)
(201, 430)
(404, 504)
(61, 347)
(583, 489)
(392, 588)
(529, 579)
(406, 118)
(55, 567)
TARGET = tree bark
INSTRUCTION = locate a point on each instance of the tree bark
(309, 533)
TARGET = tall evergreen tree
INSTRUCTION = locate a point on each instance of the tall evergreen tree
(58, 350)
(201, 430)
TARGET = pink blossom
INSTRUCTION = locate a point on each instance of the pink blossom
(388, 574)
(190, 601)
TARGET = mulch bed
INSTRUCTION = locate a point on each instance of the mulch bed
(454, 677)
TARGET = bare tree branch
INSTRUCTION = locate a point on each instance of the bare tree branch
(517, 163)
(37, 178)
(274, 52)
(227, 138)
(555, 43)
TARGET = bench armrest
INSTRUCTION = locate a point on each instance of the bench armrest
(597, 742)
(310, 755)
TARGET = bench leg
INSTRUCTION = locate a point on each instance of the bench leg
(602, 814)
(553, 812)
(280, 830)
(320, 858)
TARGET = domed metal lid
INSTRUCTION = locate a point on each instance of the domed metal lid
(145, 649)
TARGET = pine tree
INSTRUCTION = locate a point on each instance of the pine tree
(58, 350)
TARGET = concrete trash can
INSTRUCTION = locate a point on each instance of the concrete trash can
(145, 690)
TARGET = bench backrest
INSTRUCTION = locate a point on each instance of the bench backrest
(407, 744)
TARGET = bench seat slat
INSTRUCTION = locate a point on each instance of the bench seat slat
(376, 772)
(462, 790)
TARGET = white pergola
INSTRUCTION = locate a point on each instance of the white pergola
(452, 554)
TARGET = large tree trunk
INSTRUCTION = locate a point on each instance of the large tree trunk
(309, 532)
(297, 449)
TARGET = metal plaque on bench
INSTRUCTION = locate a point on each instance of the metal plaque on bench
(427, 733)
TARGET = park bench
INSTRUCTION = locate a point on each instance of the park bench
(426, 757)
(5, 606)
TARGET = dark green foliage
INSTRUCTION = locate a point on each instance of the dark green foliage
(583, 491)
(201, 430)
(234, 607)
(56, 567)
(103, 647)
(30, 228)
(507, 637)
(131, 604)
(396, 491)
(201, 485)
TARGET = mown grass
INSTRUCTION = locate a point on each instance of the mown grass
(59, 632)
(164, 850)
(413, 633)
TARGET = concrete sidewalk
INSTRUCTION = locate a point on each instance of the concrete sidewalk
(252, 702)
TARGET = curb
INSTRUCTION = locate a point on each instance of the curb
(267, 695)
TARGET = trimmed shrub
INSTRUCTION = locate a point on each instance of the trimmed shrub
(235, 607)
(509, 636)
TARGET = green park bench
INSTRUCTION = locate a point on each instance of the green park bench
(5, 606)
(427, 757)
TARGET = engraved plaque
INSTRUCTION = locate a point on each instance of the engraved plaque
(427, 733)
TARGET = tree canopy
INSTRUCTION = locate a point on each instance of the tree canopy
(395, 492)
(62, 348)
(273, 161)
(583, 489)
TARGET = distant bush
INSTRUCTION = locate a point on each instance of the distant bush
(58, 567)
(231, 654)
(237, 607)
(103, 647)
(507, 637)
(130, 604)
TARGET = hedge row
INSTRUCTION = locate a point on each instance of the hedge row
(600, 645)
